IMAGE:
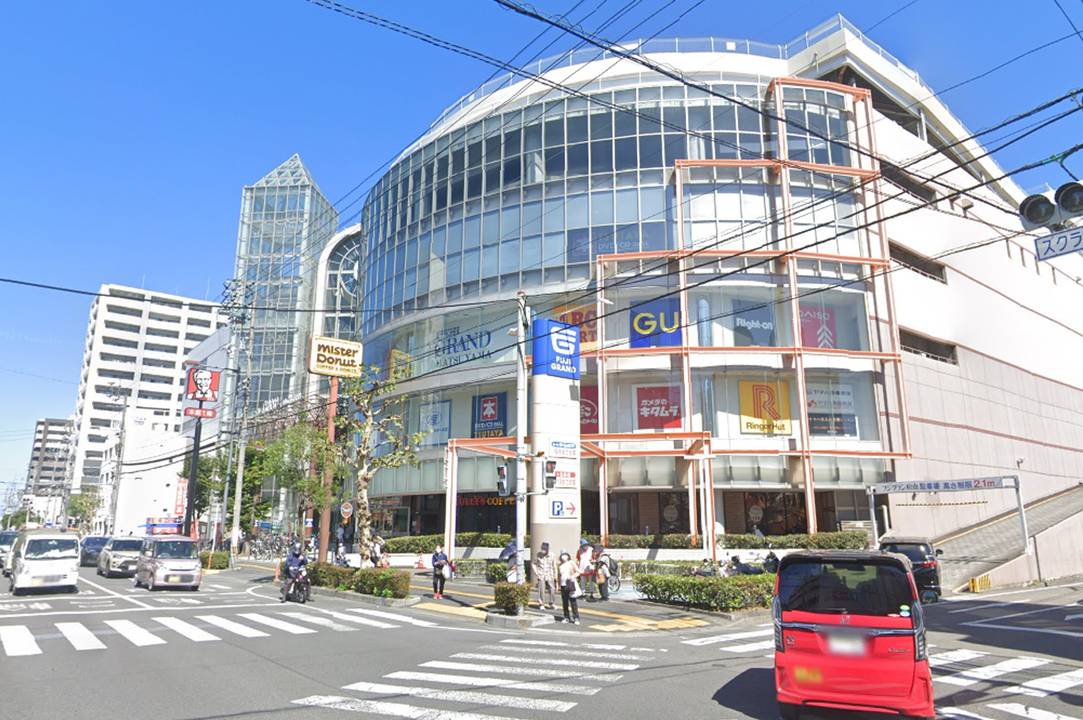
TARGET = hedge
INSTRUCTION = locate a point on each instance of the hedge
(510, 597)
(333, 576)
(721, 594)
(214, 561)
(425, 544)
(382, 582)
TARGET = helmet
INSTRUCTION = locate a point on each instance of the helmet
(296, 548)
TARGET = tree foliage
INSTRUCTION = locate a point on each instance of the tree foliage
(299, 458)
(83, 506)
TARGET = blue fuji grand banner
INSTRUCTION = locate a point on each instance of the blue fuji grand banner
(555, 348)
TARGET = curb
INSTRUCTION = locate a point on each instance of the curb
(753, 613)
(366, 599)
(525, 621)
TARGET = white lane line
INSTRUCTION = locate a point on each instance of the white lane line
(220, 587)
(394, 617)
(1028, 712)
(18, 640)
(954, 656)
(79, 636)
(959, 712)
(464, 696)
(355, 619)
(749, 647)
(318, 620)
(531, 672)
(572, 662)
(555, 643)
(699, 642)
(107, 591)
(234, 627)
(985, 625)
(1049, 685)
(134, 634)
(572, 653)
(976, 675)
(483, 681)
(187, 629)
(375, 707)
(972, 608)
(277, 624)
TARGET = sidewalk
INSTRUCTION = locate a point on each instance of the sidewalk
(979, 551)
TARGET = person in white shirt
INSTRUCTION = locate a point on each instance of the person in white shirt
(567, 573)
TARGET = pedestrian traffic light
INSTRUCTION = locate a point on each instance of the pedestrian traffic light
(502, 488)
(550, 474)
(1052, 209)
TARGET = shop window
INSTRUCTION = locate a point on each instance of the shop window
(918, 263)
(932, 349)
(623, 514)
(897, 176)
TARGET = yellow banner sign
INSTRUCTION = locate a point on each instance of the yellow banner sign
(765, 407)
(338, 358)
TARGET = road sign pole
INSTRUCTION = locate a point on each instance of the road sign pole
(521, 486)
(1022, 515)
(193, 475)
(872, 514)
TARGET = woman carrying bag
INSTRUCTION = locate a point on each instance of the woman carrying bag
(568, 572)
(441, 572)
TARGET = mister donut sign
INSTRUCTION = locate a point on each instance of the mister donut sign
(338, 358)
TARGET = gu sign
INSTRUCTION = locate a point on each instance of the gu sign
(337, 358)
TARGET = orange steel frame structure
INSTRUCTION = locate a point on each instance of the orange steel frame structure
(697, 448)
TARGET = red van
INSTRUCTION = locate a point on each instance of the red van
(849, 634)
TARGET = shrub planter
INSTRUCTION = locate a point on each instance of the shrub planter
(725, 594)
(370, 600)
(511, 598)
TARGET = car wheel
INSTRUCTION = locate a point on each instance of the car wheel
(788, 711)
(74, 589)
(194, 588)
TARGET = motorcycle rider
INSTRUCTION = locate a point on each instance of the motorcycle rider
(295, 560)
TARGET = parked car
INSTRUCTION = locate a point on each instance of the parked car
(168, 561)
(7, 539)
(850, 634)
(44, 559)
(90, 547)
(120, 556)
(923, 559)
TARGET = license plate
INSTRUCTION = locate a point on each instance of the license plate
(845, 645)
(809, 676)
(173, 578)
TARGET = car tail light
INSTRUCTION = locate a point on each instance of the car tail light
(921, 648)
(776, 611)
(927, 564)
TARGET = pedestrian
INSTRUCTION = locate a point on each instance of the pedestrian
(757, 532)
(377, 551)
(600, 563)
(546, 573)
(586, 567)
(568, 572)
(706, 569)
(440, 571)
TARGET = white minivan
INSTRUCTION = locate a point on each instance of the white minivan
(44, 559)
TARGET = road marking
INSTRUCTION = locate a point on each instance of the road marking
(557, 643)
(975, 675)
(317, 620)
(186, 629)
(1051, 684)
(355, 619)
(699, 642)
(468, 611)
(393, 616)
(464, 696)
(135, 634)
(547, 661)
(954, 656)
(376, 707)
(504, 669)
(146, 608)
(234, 627)
(510, 683)
(107, 591)
(749, 647)
(979, 607)
(220, 587)
(1029, 712)
(1023, 628)
(574, 653)
(1072, 617)
(18, 640)
(79, 636)
(958, 712)
(277, 624)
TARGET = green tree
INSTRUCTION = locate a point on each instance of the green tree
(374, 437)
(82, 507)
(299, 458)
(14, 520)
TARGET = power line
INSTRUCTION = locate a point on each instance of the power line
(1069, 19)
(890, 15)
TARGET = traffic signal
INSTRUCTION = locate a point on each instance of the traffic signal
(502, 488)
(550, 474)
(1045, 210)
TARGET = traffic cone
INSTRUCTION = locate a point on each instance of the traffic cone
(420, 564)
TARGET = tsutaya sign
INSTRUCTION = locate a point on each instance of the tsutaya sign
(337, 358)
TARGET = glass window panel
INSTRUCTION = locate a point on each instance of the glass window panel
(454, 237)
(601, 156)
(725, 117)
(553, 249)
(601, 125)
(509, 225)
(491, 228)
(602, 239)
(676, 149)
(577, 128)
(492, 178)
(470, 265)
(578, 159)
(553, 217)
(458, 160)
(511, 143)
(650, 120)
(472, 232)
(532, 222)
(652, 200)
(578, 245)
(532, 252)
(454, 269)
(627, 239)
(457, 188)
(650, 151)
(554, 162)
(673, 118)
(601, 208)
(554, 132)
(627, 206)
(533, 167)
(509, 256)
(492, 148)
(654, 236)
(512, 171)
(473, 183)
(577, 211)
(625, 123)
(532, 137)
(473, 153)
(489, 267)
(626, 154)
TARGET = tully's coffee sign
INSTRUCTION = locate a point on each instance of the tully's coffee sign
(338, 358)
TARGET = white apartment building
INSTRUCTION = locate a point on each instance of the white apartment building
(48, 466)
(136, 344)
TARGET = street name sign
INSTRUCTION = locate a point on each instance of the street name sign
(915, 486)
(1059, 242)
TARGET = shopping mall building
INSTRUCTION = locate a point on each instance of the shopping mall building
(768, 320)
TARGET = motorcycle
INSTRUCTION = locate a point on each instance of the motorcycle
(300, 590)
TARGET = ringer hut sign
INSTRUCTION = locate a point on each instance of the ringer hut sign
(338, 358)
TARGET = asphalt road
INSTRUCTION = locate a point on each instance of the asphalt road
(232, 651)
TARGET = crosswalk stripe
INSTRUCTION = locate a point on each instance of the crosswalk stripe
(394, 617)
(954, 656)
(976, 675)
(79, 636)
(388, 709)
(186, 629)
(511, 683)
(220, 587)
(18, 640)
(561, 651)
(134, 634)
(318, 620)
(1028, 712)
(1050, 684)
(556, 643)
(510, 670)
(573, 662)
(359, 620)
(749, 647)
(234, 627)
(699, 642)
(464, 696)
(958, 712)
(277, 624)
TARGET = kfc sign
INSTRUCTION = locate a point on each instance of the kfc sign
(658, 408)
(203, 384)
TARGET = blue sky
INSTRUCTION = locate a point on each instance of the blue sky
(129, 128)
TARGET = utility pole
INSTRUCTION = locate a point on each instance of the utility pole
(521, 447)
(115, 393)
(193, 476)
(244, 387)
(238, 296)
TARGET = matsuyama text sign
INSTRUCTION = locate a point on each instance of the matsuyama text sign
(338, 358)
(555, 348)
